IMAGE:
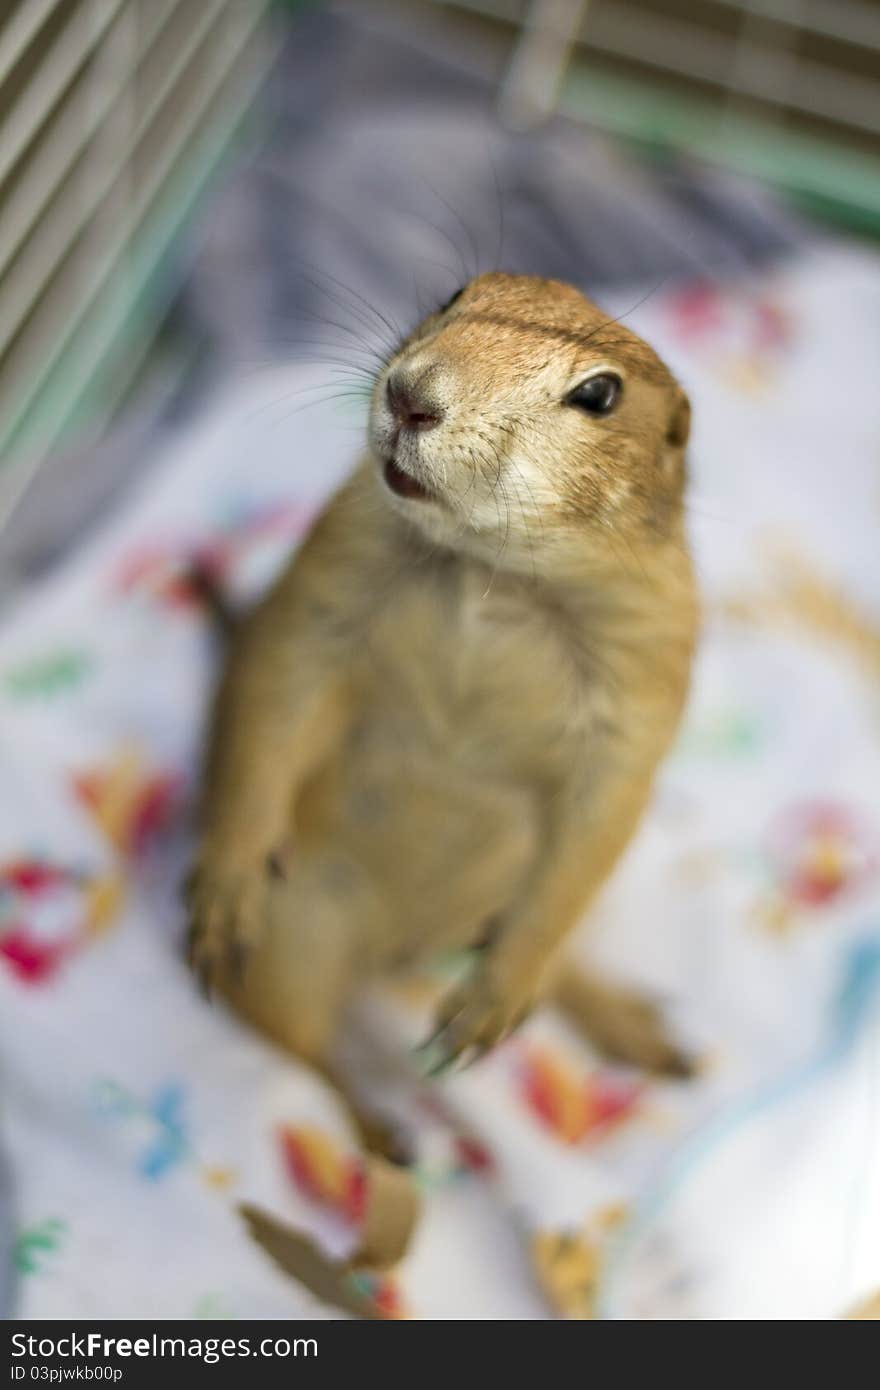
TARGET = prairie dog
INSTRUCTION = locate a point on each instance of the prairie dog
(441, 726)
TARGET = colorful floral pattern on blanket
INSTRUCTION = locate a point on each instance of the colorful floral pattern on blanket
(139, 1120)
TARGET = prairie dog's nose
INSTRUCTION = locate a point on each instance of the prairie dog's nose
(410, 404)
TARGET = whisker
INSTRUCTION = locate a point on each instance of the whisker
(461, 222)
(392, 325)
(379, 353)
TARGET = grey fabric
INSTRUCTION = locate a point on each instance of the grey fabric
(387, 170)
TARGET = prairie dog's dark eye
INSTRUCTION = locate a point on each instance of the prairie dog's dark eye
(451, 300)
(598, 395)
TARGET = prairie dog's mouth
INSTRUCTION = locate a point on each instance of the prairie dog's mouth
(404, 484)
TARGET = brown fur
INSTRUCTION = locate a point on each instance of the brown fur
(446, 717)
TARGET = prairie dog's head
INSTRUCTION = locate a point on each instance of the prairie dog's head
(521, 424)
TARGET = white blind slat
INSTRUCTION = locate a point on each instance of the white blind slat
(37, 355)
(56, 235)
(68, 53)
(23, 26)
(80, 119)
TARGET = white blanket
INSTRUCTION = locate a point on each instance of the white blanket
(136, 1117)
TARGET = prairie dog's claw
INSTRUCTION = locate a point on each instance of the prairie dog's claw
(227, 912)
(473, 1021)
(438, 1052)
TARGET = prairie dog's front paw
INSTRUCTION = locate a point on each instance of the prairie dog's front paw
(227, 907)
(476, 1016)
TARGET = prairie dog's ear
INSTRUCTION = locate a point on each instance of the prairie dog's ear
(672, 450)
(679, 427)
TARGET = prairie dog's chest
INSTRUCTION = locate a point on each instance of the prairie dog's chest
(478, 671)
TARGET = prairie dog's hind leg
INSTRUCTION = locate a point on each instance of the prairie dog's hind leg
(621, 1023)
(294, 988)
